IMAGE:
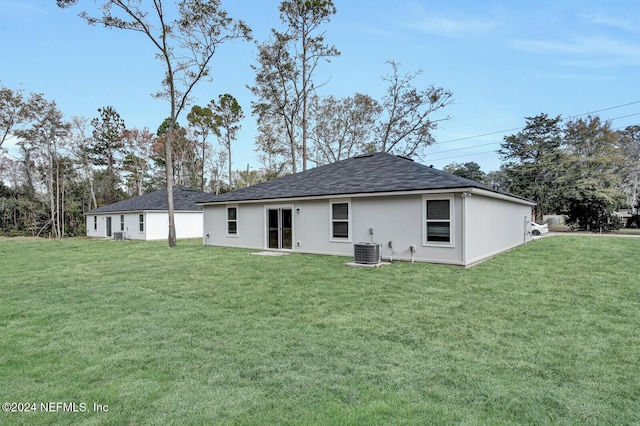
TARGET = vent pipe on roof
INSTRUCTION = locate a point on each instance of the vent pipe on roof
(362, 156)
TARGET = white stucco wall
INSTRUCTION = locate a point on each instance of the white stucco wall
(156, 225)
(395, 219)
(130, 225)
(494, 226)
(491, 225)
(251, 226)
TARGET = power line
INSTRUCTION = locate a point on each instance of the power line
(494, 143)
(463, 155)
(562, 119)
(623, 116)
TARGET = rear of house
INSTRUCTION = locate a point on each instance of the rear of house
(412, 211)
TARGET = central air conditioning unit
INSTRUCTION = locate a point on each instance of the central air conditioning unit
(367, 253)
(118, 235)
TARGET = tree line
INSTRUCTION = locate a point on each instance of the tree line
(58, 168)
(65, 167)
(581, 168)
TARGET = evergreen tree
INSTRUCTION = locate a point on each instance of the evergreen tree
(533, 158)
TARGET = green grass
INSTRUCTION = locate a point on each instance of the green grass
(546, 333)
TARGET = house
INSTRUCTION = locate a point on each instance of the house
(146, 217)
(413, 211)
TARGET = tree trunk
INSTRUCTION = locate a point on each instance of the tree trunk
(93, 191)
(62, 211)
(58, 202)
(203, 162)
(230, 177)
(304, 99)
(52, 199)
(169, 171)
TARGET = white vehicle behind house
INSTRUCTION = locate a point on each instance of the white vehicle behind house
(537, 229)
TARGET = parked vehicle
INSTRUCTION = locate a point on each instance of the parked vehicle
(537, 229)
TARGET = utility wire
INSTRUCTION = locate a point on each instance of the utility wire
(499, 142)
(494, 143)
(562, 119)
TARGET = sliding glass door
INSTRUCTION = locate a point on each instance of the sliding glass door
(280, 228)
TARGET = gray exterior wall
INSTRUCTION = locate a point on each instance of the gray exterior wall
(494, 225)
(481, 226)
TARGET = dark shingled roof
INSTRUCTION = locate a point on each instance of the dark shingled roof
(372, 173)
(184, 199)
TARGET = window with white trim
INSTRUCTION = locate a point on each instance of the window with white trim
(141, 222)
(232, 221)
(438, 222)
(95, 223)
(340, 220)
(122, 222)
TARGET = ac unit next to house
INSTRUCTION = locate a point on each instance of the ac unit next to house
(118, 235)
(367, 253)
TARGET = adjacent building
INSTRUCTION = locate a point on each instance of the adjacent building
(146, 217)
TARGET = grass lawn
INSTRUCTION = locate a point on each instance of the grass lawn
(546, 333)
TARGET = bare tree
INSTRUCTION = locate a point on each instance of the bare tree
(215, 165)
(406, 127)
(41, 143)
(284, 77)
(138, 145)
(80, 141)
(185, 46)
(12, 111)
(630, 145)
(341, 128)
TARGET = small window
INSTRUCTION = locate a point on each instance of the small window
(438, 221)
(141, 222)
(340, 220)
(122, 222)
(95, 223)
(232, 221)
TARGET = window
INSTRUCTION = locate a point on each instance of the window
(122, 222)
(232, 221)
(438, 226)
(141, 222)
(95, 223)
(340, 220)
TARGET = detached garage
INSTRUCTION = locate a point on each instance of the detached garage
(147, 217)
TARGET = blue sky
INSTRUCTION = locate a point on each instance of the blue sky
(503, 60)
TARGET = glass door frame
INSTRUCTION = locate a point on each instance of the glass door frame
(108, 229)
(285, 242)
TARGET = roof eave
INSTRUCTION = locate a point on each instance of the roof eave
(470, 189)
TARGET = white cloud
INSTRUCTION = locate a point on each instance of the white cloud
(610, 50)
(622, 24)
(450, 27)
(583, 77)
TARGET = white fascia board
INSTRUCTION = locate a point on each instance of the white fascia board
(331, 196)
(140, 211)
(500, 196)
(379, 194)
